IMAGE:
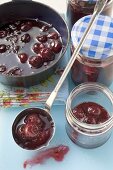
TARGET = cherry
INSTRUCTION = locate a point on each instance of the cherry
(2, 68)
(25, 38)
(32, 130)
(94, 110)
(53, 35)
(47, 54)
(37, 47)
(32, 118)
(55, 46)
(42, 38)
(3, 33)
(79, 113)
(23, 57)
(44, 135)
(26, 26)
(16, 71)
(36, 61)
(18, 35)
(91, 120)
(3, 48)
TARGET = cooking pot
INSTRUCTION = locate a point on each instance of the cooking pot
(20, 10)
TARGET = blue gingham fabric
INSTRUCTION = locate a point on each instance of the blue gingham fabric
(99, 42)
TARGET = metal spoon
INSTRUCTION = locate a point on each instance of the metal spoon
(97, 10)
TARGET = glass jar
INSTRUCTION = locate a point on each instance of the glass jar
(95, 60)
(83, 134)
(77, 9)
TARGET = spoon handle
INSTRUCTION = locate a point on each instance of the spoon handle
(98, 8)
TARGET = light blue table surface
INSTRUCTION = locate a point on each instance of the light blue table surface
(12, 156)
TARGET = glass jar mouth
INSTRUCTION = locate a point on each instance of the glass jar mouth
(89, 128)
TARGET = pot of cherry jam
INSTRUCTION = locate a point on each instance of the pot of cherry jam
(95, 60)
(89, 108)
(77, 9)
(33, 129)
(32, 42)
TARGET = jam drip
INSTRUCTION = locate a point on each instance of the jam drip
(57, 153)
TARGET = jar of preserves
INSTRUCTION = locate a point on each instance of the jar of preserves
(77, 9)
(89, 110)
(95, 60)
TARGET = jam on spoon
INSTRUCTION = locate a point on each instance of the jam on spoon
(32, 128)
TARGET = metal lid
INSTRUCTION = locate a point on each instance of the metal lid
(99, 42)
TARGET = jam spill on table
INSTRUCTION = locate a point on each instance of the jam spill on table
(56, 153)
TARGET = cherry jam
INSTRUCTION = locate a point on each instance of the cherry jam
(29, 45)
(32, 128)
(86, 69)
(77, 9)
(90, 113)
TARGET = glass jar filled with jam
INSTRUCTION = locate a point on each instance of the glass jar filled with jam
(89, 110)
(95, 60)
(77, 9)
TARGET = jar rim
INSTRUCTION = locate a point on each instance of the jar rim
(88, 127)
(95, 62)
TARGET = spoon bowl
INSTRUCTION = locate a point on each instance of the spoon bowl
(33, 128)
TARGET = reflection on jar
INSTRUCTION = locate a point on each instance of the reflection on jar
(89, 70)
(77, 9)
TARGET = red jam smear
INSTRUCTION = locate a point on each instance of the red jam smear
(90, 113)
(29, 45)
(32, 128)
(57, 153)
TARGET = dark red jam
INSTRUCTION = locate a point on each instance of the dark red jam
(90, 113)
(86, 69)
(56, 153)
(28, 45)
(79, 8)
(32, 128)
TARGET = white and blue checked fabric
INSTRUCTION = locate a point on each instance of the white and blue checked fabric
(99, 42)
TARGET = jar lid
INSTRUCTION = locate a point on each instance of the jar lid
(99, 42)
